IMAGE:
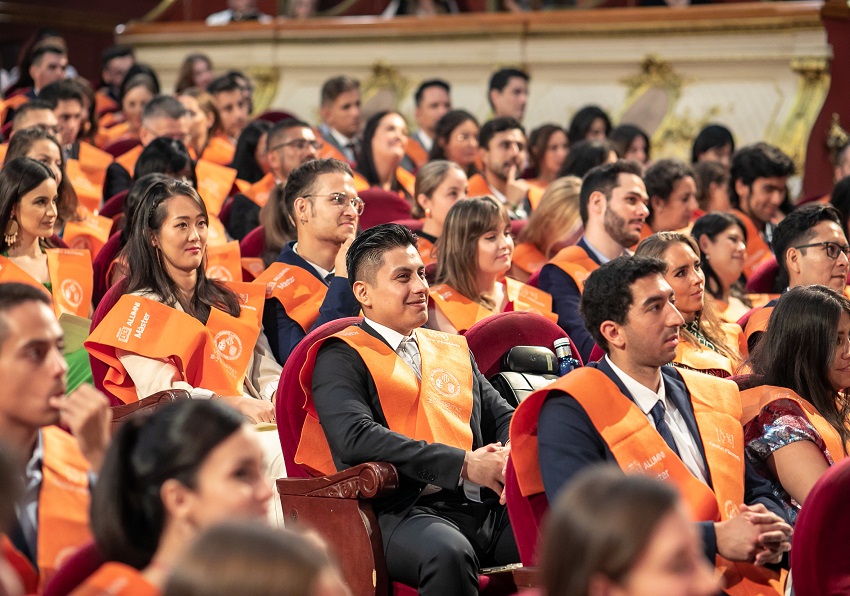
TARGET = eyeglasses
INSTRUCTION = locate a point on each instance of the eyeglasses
(300, 145)
(833, 249)
(342, 200)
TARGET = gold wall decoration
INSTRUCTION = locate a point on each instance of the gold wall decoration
(266, 80)
(385, 89)
(812, 86)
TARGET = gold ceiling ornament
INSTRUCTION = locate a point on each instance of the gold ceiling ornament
(654, 72)
(836, 137)
(266, 80)
(385, 89)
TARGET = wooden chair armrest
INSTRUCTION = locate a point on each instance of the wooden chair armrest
(121, 414)
(364, 481)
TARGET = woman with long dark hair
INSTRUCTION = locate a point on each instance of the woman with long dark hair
(796, 424)
(384, 145)
(456, 139)
(548, 148)
(590, 123)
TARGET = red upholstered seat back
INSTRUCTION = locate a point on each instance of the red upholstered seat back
(414, 225)
(121, 146)
(290, 397)
(114, 204)
(742, 322)
(98, 368)
(763, 278)
(74, 571)
(517, 226)
(101, 264)
(819, 564)
(382, 207)
(526, 515)
(57, 242)
(596, 353)
(490, 338)
(275, 116)
(253, 244)
(534, 279)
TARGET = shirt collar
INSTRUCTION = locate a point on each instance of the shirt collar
(599, 256)
(392, 337)
(425, 140)
(323, 273)
(644, 397)
(343, 140)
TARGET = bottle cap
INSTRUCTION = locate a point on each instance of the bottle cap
(562, 342)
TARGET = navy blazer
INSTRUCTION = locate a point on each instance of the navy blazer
(347, 403)
(565, 302)
(284, 333)
(569, 443)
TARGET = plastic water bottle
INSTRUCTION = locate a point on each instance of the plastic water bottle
(566, 362)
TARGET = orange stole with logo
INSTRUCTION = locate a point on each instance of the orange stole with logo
(463, 313)
(90, 233)
(758, 251)
(219, 150)
(300, 293)
(88, 173)
(224, 262)
(214, 356)
(214, 184)
(63, 502)
(757, 322)
(427, 250)
(22, 567)
(478, 186)
(638, 448)
(528, 257)
(116, 579)
(416, 152)
(575, 262)
(128, 160)
(259, 191)
(71, 277)
(756, 399)
(435, 410)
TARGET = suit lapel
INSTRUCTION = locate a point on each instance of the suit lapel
(290, 257)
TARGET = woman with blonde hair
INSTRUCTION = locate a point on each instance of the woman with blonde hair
(204, 125)
(473, 258)
(554, 224)
(195, 71)
(706, 343)
(439, 185)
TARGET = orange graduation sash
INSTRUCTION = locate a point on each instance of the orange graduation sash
(259, 191)
(88, 173)
(478, 186)
(535, 193)
(128, 160)
(463, 313)
(214, 184)
(638, 448)
(406, 180)
(427, 250)
(103, 103)
(757, 322)
(90, 234)
(213, 357)
(252, 266)
(754, 400)
(216, 234)
(219, 150)
(703, 359)
(224, 262)
(758, 251)
(12, 103)
(4, 147)
(300, 293)
(416, 152)
(71, 277)
(527, 298)
(329, 150)
(575, 262)
(22, 567)
(116, 579)
(63, 501)
(436, 410)
(527, 257)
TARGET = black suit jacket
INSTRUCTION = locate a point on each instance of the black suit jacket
(569, 443)
(348, 407)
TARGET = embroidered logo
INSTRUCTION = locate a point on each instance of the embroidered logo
(124, 334)
(228, 344)
(219, 272)
(72, 292)
(81, 243)
(445, 382)
(730, 508)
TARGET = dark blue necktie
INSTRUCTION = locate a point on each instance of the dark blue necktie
(657, 413)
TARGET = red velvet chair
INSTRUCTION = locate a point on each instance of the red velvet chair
(517, 226)
(224, 214)
(414, 225)
(382, 207)
(254, 243)
(275, 116)
(526, 515)
(742, 322)
(763, 278)
(6, 130)
(121, 146)
(596, 353)
(101, 264)
(57, 242)
(98, 368)
(534, 279)
(114, 205)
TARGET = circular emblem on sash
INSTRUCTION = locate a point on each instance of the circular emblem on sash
(72, 292)
(81, 243)
(228, 344)
(731, 509)
(219, 272)
(445, 382)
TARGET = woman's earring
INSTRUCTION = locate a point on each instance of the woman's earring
(11, 233)
(427, 213)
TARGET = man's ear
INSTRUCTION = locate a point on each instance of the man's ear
(613, 334)
(362, 293)
(299, 210)
(741, 189)
(596, 203)
(792, 260)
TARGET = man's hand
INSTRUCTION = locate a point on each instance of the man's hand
(755, 535)
(516, 189)
(85, 411)
(255, 410)
(486, 466)
(339, 264)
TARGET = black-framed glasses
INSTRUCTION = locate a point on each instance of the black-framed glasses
(833, 249)
(342, 200)
(300, 145)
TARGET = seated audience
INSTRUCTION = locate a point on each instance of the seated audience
(433, 101)
(758, 186)
(196, 71)
(811, 248)
(310, 277)
(67, 100)
(679, 426)
(444, 522)
(613, 534)
(232, 105)
(706, 343)
(439, 185)
(166, 478)
(35, 113)
(502, 152)
(249, 158)
(507, 93)
(712, 179)
(55, 465)
(166, 156)
(232, 558)
(238, 11)
(796, 422)
(456, 139)
(547, 148)
(204, 127)
(137, 91)
(612, 205)
(473, 257)
(115, 63)
(590, 123)
(341, 119)
(713, 143)
(554, 224)
(672, 196)
(384, 144)
(47, 65)
(631, 142)
(586, 155)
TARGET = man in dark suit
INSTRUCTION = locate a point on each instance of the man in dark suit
(628, 306)
(612, 205)
(341, 118)
(324, 206)
(446, 520)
